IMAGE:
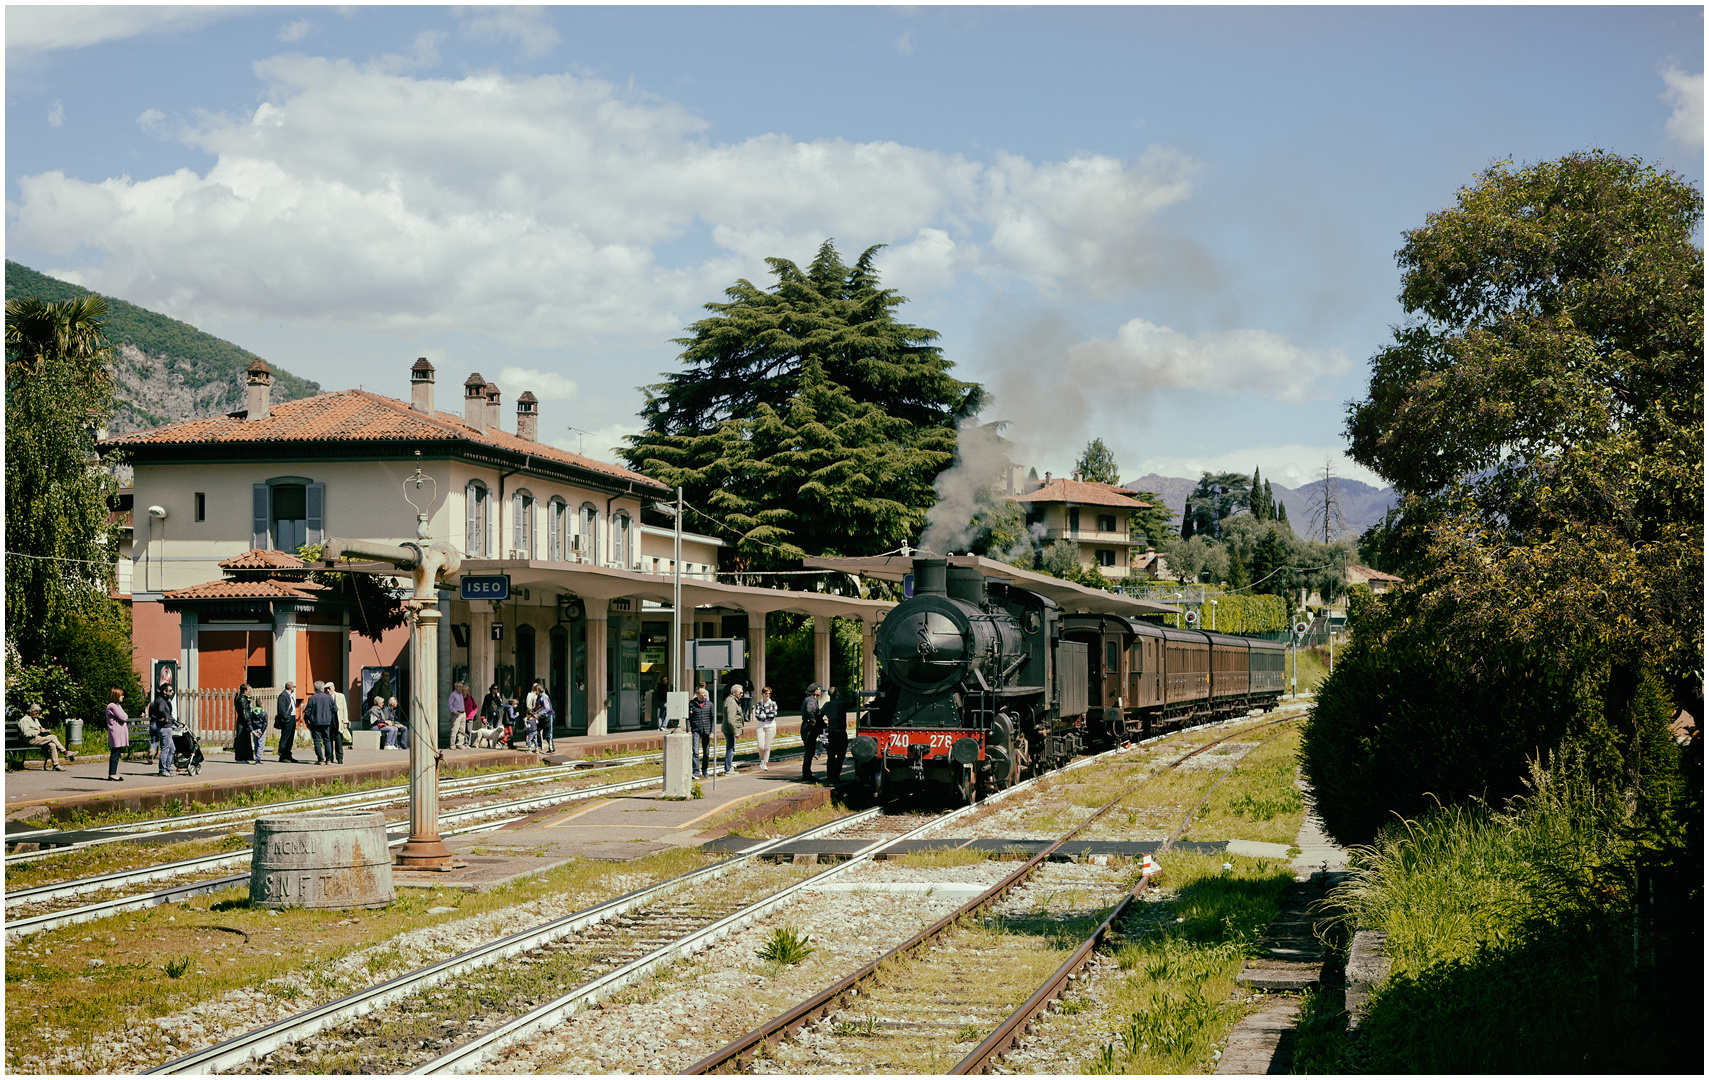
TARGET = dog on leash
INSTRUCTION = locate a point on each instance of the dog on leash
(490, 738)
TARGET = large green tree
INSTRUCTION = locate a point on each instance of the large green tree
(60, 548)
(1217, 496)
(1098, 464)
(1541, 415)
(808, 419)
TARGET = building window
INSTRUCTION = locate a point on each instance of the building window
(1074, 521)
(620, 555)
(557, 523)
(201, 506)
(1035, 517)
(289, 513)
(522, 524)
(1106, 523)
(587, 534)
(475, 504)
(1106, 557)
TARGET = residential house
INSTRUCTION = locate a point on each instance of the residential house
(1094, 515)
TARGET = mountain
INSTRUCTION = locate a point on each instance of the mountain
(1361, 504)
(165, 370)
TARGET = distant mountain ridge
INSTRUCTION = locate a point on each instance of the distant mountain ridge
(1361, 504)
(165, 370)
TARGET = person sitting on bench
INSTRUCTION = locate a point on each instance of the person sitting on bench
(30, 727)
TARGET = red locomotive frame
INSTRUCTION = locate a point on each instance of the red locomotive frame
(897, 742)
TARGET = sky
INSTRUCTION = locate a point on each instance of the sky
(1172, 228)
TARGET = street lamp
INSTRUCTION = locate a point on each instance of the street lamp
(1213, 614)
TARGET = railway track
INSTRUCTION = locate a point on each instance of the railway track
(879, 1024)
(465, 1012)
(165, 828)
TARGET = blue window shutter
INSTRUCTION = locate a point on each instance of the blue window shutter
(315, 526)
(258, 532)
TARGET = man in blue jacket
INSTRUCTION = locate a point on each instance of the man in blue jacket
(321, 712)
(701, 717)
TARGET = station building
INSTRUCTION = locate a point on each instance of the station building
(221, 506)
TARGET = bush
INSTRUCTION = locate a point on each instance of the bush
(1404, 725)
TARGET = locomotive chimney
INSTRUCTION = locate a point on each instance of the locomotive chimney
(930, 577)
(966, 583)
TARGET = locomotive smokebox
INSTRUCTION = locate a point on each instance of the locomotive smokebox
(967, 583)
(929, 577)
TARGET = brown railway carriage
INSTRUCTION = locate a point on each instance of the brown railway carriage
(1141, 676)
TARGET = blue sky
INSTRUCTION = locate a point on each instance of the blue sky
(1169, 227)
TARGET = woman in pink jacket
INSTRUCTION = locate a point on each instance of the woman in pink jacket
(118, 732)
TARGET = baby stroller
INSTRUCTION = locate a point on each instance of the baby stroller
(186, 752)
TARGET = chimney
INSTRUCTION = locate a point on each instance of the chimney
(1076, 476)
(260, 390)
(1047, 476)
(527, 416)
(494, 420)
(475, 402)
(421, 387)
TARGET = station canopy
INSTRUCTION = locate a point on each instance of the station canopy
(608, 583)
(1072, 598)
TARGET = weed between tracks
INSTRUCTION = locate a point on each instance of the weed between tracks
(122, 855)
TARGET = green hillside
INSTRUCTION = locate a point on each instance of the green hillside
(183, 372)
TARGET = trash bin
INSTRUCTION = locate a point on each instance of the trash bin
(73, 733)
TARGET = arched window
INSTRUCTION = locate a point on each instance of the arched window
(557, 527)
(522, 524)
(587, 533)
(621, 555)
(475, 505)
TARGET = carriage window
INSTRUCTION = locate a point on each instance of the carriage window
(1112, 653)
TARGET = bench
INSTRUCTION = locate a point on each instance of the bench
(18, 748)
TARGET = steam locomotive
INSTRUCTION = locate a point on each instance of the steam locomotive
(982, 683)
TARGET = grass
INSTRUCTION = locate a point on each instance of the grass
(1518, 941)
(1171, 1008)
(1258, 799)
(943, 858)
(56, 1001)
(117, 856)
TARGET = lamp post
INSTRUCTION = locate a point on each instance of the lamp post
(678, 749)
(1213, 614)
(428, 560)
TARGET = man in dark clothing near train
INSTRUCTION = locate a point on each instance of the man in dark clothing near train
(701, 717)
(321, 712)
(809, 731)
(285, 719)
(834, 718)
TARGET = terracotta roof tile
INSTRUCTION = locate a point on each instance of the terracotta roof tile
(265, 589)
(1081, 492)
(261, 559)
(356, 416)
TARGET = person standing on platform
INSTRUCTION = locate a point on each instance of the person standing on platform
(660, 700)
(257, 731)
(160, 723)
(765, 725)
(285, 719)
(341, 726)
(809, 731)
(471, 709)
(243, 751)
(834, 717)
(118, 732)
(734, 720)
(459, 717)
(547, 715)
(700, 729)
(322, 715)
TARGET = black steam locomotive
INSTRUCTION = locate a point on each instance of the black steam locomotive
(982, 682)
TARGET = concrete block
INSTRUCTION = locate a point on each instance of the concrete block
(365, 740)
(1367, 967)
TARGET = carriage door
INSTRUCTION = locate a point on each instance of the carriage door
(1112, 670)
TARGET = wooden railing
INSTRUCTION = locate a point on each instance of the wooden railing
(210, 712)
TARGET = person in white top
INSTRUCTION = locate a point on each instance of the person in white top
(765, 725)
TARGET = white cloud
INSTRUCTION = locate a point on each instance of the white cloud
(296, 31)
(531, 208)
(41, 28)
(56, 115)
(151, 120)
(529, 27)
(905, 43)
(1685, 94)
(546, 385)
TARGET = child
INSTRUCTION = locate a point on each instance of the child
(531, 724)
